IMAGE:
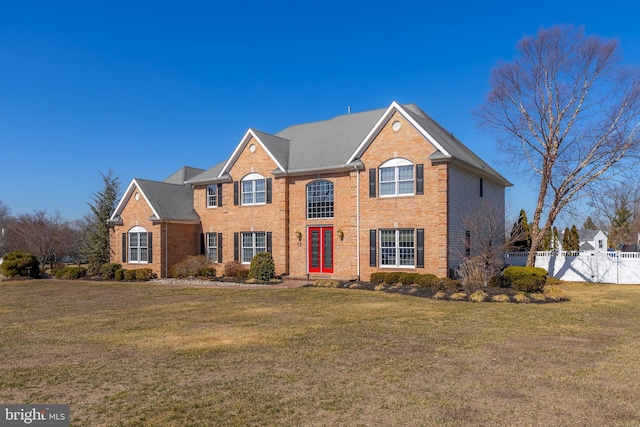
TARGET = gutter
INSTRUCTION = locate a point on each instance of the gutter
(357, 164)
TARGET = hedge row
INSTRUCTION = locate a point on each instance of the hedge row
(70, 273)
(422, 280)
(141, 274)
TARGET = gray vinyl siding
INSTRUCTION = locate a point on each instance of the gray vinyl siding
(464, 198)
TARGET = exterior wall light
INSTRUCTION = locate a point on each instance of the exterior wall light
(340, 233)
(299, 235)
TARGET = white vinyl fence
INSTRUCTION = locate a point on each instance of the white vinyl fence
(585, 266)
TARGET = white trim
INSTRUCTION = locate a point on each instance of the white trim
(127, 195)
(396, 161)
(252, 177)
(394, 107)
(243, 142)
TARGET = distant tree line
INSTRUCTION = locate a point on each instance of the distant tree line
(52, 239)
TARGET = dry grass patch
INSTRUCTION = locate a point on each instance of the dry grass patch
(148, 355)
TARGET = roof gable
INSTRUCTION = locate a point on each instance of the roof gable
(170, 202)
(277, 148)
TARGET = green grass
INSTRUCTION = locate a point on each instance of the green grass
(150, 355)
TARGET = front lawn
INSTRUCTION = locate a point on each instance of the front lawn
(145, 354)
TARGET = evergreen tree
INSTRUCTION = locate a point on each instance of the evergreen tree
(575, 239)
(97, 248)
(566, 239)
(589, 224)
(521, 233)
(555, 240)
(620, 230)
(545, 243)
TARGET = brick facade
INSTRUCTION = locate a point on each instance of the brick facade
(357, 214)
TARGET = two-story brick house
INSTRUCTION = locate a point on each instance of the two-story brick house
(374, 191)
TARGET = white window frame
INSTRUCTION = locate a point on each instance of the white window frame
(211, 242)
(250, 245)
(248, 192)
(141, 251)
(397, 250)
(395, 166)
(212, 196)
(320, 206)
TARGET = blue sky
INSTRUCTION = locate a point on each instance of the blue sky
(144, 88)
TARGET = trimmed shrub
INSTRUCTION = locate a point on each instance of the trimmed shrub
(144, 274)
(232, 268)
(553, 281)
(20, 264)
(409, 278)
(108, 270)
(529, 284)
(428, 281)
(57, 266)
(118, 274)
(498, 281)
(524, 279)
(377, 278)
(514, 272)
(194, 266)
(129, 274)
(392, 278)
(450, 284)
(243, 273)
(262, 267)
(71, 273)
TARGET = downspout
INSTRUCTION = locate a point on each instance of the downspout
(166, 250)
(357, 222)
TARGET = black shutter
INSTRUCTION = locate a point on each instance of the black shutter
(124, 247)
(236, 193)
(202, 244)
(220, 195)
(269, 190)
(149, 247)
(236, 249)
(220, 247)
(481, 188)
(420, 179)
(372, 248)
(372, 182)
(420, 248)
(269, 241)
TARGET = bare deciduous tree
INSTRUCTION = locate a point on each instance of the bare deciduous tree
(617, 207)
(565, 110)
(485, 243)
(46, 236)
(5, 223)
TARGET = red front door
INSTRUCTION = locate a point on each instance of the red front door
(320, 249)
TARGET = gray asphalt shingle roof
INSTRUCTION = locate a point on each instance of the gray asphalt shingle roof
(182, 175)
(170, 201)
(327, 143)
(331, 143)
